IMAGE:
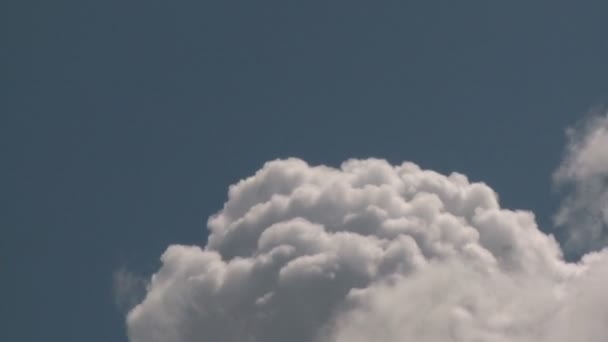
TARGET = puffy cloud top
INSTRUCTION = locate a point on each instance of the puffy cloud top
(370, 252)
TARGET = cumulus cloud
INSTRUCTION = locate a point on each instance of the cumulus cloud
(371, 251)
(583, 214)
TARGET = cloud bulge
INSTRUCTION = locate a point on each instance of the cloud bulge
(372, 251)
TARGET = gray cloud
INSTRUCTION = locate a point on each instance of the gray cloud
(128, 288)
(583, 214)
(370, 252)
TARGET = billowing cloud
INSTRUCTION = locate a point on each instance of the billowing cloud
(584, 174)
(371, 252)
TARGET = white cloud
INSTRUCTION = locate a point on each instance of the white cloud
(584, 172)
(370, 252)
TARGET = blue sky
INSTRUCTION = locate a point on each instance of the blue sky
(124, 123)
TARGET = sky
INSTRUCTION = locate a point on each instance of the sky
(125, 122)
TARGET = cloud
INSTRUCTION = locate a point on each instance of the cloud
(129, 289)
(583, 214)
(371, 252)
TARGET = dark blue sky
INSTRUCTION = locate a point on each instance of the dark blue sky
(124, 122)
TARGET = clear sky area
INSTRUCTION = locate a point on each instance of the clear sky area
(123, 123)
